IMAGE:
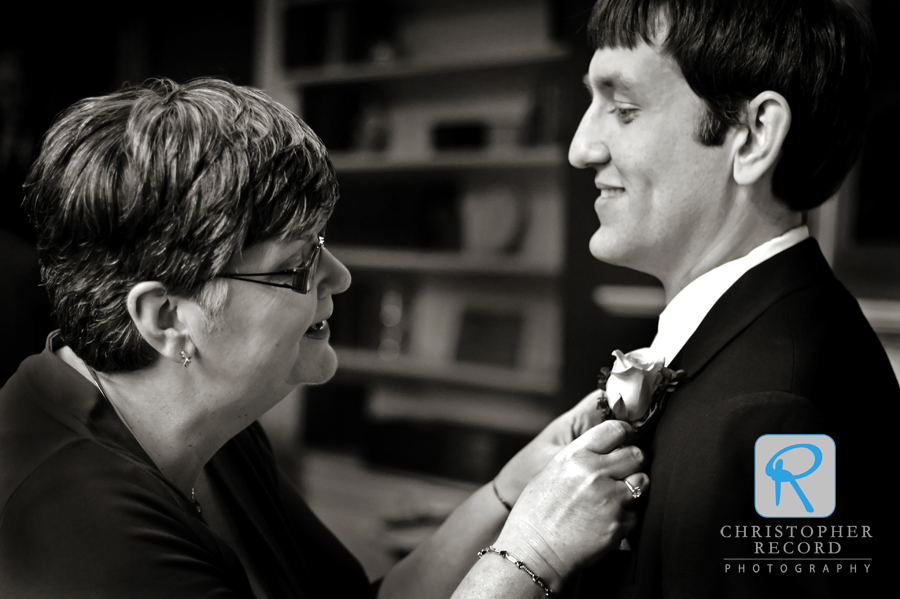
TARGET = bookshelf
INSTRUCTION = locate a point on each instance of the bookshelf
(548, 157)
(484, 377)
(440, 262)
(444, 123)
(413, 69)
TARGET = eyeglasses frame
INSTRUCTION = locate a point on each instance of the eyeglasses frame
(303, 275)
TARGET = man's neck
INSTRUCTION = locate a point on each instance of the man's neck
(738, 236)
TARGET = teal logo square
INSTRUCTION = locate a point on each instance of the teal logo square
(795, 476)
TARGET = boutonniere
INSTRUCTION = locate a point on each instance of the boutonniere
(636, 386)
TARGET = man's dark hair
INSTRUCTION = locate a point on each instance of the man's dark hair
(815, 53)
(164, 182)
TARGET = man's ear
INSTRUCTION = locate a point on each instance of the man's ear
(156, 315)
(767, 121)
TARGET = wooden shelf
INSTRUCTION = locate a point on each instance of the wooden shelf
(436, 262)
(342, 73)
(367, 362)
(514, 414)
(630, 301)
(507, 158)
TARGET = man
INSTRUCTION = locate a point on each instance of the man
(713, 125)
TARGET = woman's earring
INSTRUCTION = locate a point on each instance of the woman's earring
(187, 359)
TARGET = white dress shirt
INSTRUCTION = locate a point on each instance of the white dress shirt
(688, 309)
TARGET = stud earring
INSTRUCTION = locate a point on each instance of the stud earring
(187, 359)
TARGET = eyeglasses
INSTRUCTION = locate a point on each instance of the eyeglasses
(302, 276)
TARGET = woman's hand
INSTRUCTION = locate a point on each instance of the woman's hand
(577, 508)
(573, 511)
(526, 464)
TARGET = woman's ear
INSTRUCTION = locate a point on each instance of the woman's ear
(156, 315)
(767, 122)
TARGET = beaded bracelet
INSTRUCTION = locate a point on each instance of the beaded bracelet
(520, 565)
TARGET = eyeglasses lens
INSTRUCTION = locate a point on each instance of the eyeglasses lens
(303, 277)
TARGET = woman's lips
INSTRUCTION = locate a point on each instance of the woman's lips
(319, 330)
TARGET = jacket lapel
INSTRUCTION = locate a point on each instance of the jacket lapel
(761, 287)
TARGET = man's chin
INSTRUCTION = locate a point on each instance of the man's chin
(607, 250)
(619, 252)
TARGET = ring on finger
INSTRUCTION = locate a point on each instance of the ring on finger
(635, 491)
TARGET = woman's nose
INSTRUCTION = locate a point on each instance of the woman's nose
(335, 276)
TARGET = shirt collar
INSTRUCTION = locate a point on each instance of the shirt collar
(688, 309)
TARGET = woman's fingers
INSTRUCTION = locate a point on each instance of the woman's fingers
(636, 486)
(602, 452)
(580, 506)
(585, 415)
(622, 462)
(604, 437)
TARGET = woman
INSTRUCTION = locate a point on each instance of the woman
(171, 222)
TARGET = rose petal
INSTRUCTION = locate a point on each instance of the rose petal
(645, 359)
(622, 363)
(635, 387)
(618, 408)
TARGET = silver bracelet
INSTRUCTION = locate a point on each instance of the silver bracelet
(520, 565)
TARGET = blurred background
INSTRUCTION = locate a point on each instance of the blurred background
(477, 313)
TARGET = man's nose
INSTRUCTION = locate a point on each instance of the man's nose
(588, 147)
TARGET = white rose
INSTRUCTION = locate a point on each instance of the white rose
(631, 383)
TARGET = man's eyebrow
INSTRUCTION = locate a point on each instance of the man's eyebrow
(612, 82)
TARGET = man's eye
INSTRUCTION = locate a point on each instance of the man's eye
(626, 115)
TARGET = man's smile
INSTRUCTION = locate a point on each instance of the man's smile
(609, 193)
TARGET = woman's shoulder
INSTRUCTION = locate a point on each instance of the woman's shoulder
(86, 517)
(80, 492)
(60, 444)
(78, 469)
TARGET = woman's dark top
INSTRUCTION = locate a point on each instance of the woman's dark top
(85, 513)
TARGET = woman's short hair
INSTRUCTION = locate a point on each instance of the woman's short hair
(165, 182)
(815, 53)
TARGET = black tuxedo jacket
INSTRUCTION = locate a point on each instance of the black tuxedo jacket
(786, 350)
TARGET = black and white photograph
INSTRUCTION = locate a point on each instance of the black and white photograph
(461, 299)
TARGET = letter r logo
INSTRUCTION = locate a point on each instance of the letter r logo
(795, 476)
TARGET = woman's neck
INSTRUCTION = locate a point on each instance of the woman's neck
(178, 435)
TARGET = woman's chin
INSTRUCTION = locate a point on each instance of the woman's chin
(318, 370)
